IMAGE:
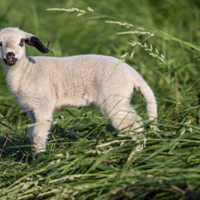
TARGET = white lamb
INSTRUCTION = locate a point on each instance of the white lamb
(43, 84)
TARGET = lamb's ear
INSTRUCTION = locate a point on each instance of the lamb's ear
(34, 41)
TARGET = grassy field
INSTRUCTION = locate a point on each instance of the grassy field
(158, 38)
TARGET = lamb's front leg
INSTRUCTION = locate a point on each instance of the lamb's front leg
(41, 119)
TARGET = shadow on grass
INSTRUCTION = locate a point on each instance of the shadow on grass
(18, 147)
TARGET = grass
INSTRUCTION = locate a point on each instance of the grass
(81, 163)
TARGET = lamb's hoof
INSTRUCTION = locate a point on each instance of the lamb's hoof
(39, 155)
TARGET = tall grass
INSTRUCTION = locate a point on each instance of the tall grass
(161, 41)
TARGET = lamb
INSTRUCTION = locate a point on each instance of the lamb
(42, 84)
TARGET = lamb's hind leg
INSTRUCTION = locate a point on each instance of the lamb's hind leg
(123, 116)
(39, 132)
(127, 120)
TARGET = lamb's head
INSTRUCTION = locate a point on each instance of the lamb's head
(12, 45)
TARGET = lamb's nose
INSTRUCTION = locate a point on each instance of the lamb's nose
(10, 55)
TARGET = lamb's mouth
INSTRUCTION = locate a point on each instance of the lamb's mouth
(10, 62)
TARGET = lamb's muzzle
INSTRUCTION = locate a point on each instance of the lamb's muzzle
(43, 84)
(10, 59)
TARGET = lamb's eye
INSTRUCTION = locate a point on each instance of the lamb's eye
(21, 44)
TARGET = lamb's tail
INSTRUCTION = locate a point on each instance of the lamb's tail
(148, 94)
